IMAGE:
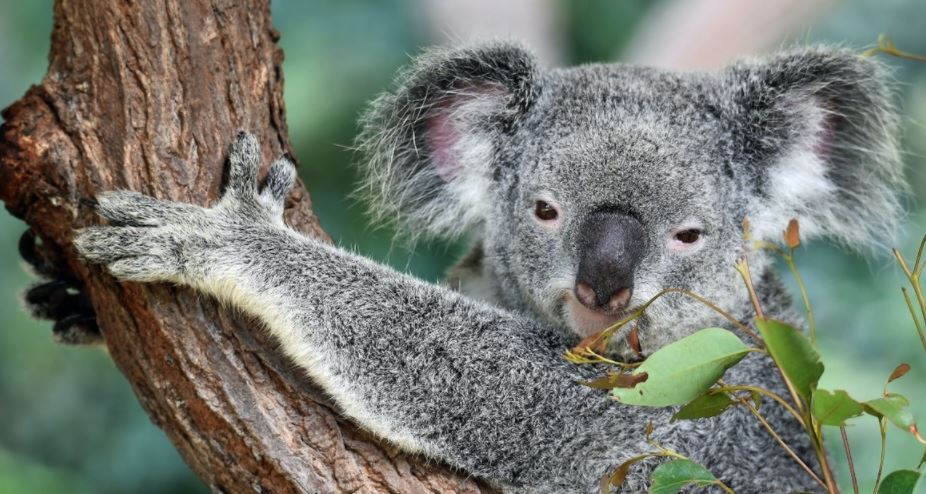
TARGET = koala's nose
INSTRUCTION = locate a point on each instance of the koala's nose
(610, 248)
(591, 299)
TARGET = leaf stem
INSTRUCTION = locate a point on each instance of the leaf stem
(606, 335)
(782, 442)
(916, 319)
(883, 429)
(774, 396)
(742, 266)
(789, 260)
(816, 436)
(917, 269)
(886, 46)
(811, 325)
(913, 276)
(845, 444)
(671, 453)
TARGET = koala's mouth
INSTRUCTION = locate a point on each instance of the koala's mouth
(586, 322)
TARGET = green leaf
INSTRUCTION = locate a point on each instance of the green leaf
(893, 407)
(899, 482)
(793, 353)
(671, 476)
(707, 405)
(834, 407)
(681, 371)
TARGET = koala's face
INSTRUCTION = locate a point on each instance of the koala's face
(609, 203)
(595, 188)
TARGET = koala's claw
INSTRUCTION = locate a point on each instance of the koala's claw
(61, 300)
(155, 240)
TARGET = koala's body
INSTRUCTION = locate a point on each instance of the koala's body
(587, 191)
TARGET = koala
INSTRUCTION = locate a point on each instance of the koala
(585, 191)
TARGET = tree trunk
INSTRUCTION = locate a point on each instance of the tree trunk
(147, 96)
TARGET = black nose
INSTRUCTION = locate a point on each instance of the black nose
(610, 246)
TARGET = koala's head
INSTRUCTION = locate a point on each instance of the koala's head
(593, 188)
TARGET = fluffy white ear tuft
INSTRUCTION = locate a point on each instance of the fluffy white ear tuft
(460, 143)
(798, 182)
(430, 146)
(820, 134)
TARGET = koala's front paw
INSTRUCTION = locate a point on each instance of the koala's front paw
(155, 240)
(59, 298)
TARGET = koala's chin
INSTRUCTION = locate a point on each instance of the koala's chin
(586, 322)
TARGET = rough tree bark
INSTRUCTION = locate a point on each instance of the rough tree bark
(147, 96)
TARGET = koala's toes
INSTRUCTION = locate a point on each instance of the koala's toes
(55, 299)
(77, 329)
(124, 207)
(280, 181)
(244, 163)
(104, 245)
(64, 302)
(60, 298)
(28, 250)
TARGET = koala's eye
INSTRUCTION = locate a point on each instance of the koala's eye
(545, 211)
(686, 239)
(689, 236)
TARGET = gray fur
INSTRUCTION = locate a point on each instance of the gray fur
(477, 379)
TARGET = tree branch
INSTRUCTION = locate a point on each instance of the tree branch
(147, 96)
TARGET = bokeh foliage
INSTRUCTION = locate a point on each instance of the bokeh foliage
(70, 422)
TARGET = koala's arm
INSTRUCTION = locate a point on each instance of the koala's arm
(483, 389)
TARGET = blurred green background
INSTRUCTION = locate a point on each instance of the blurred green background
(69, 421)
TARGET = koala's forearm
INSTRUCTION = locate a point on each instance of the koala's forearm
(426, 368)
(484, 389)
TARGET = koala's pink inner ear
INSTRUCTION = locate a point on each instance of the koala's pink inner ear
(826, 133)
(440, 139)
(460, 113)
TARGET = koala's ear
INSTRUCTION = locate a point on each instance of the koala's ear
(429, 147)
(819, 134)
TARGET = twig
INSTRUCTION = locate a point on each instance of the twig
(811, 325)
(774, 396)
(916, 319)
(886, 46)
(817, 436)
(609, 332)
(742, 266)
(845, 444)
(883, 429)
(913, 276)
(782, 442)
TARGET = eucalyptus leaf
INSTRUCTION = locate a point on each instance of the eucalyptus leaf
(617, 477)
(894, 407)
(899, 482)
(707, 405)
(899, 371)
(793, 353)
(670, 477)
(683, 370)
(615, 380)
(834, 407)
